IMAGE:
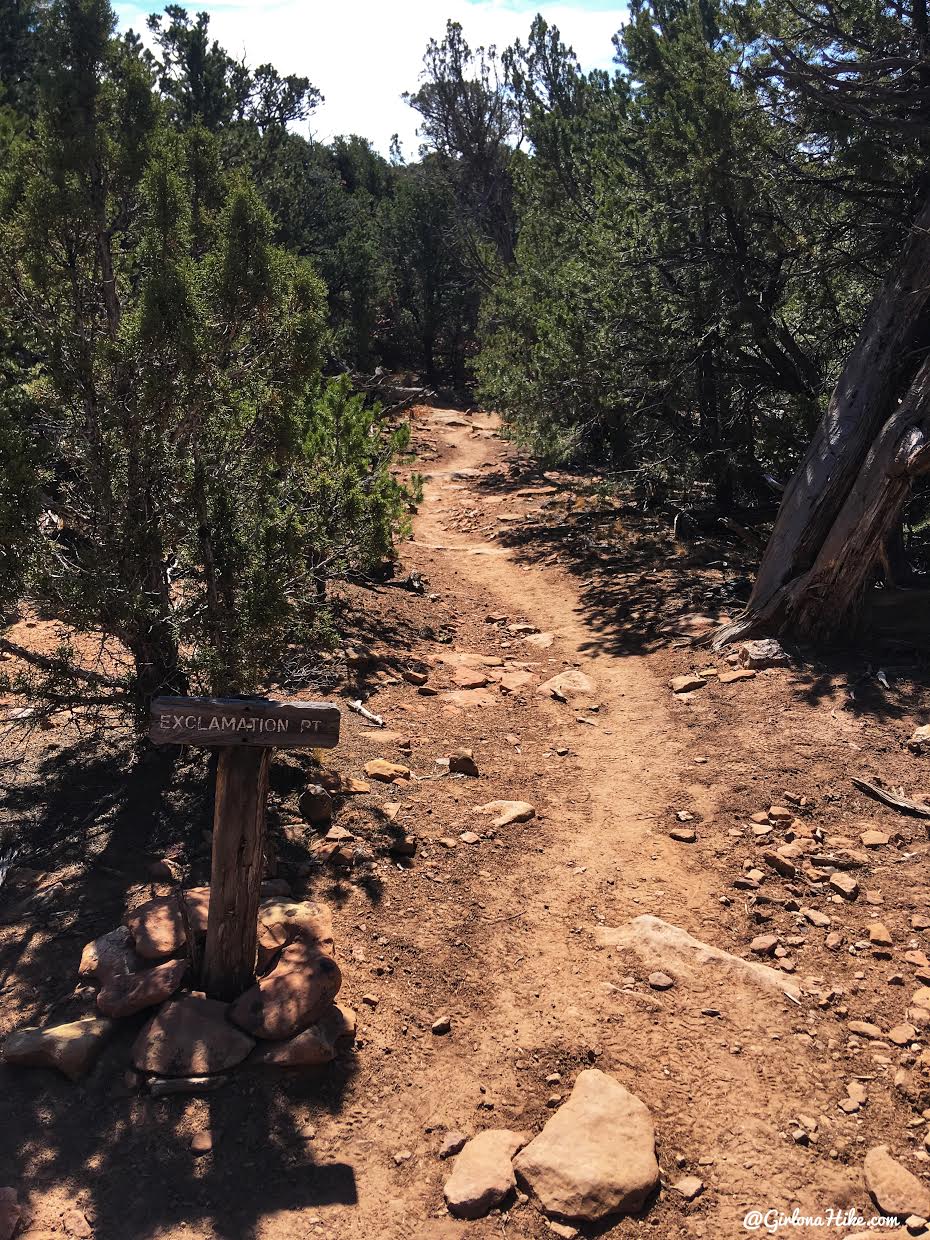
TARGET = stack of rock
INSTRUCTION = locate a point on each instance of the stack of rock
(288, 1018)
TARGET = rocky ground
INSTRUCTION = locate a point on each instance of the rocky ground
(696, 936)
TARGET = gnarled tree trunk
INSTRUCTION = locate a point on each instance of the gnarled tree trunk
(851, 475)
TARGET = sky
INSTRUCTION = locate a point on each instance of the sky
(363, 54)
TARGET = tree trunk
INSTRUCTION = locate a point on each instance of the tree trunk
(878, 370)
(829, 596)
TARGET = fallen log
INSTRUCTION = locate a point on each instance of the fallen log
(904, 806)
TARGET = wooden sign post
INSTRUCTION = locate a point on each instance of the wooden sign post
(245, 730)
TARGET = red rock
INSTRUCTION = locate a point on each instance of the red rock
(157, 928)
(292, 996)
(281, 922)
(387, 772)
(110, 956)
(71, 1048)
(470, 678)
(122, 996)
(319, 1044)
(462, 762)
(197, 906)
(190, 1036)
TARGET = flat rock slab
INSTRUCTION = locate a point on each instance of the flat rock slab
(197, 907)
(483, 1176)
(513, 682)
(70, 1048)
(596, 1156)
(569, 685)
(506, 812)
(190, 1036)
(673, 950)
(321, 1043)
(282, 922)
(123, 996)
(110, 956)
(291, 997)
(157, 928)
(894, 1189)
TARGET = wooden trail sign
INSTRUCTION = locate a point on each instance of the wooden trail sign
(245, 730)
(243, 721)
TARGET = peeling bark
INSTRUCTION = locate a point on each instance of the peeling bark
(831, 489)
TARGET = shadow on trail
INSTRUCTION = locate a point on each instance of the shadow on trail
(642, 588)
(87, 820)
(639, 587)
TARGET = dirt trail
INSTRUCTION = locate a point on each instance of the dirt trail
(500, 935)
(718, 1086)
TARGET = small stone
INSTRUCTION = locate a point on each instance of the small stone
(686, 684)
(371, 1001)
(202, 1142)
(689, 1187)
(845, 884)
(452, 1144)
(469, 837)
(563, 1230)
(71, 1048)
(778, 813)
(834, 941)
(338, 835)
(816, 918)
(402, 1156)
(507, 812)
(661, 981)
(893, 1188)
(683, 835)
(780, 864)
(386, 772)
(764, 944)
(414, 678)
(442, 1025)
(879, 934)
(315, 804)
(738, 673)
(920, 921)
(766, 652)
(403, 845)
(902, 1035)
(920, 739)
(462, 762)
(873, 839)
(483, 1174)
(469, 678)
(864, 1029)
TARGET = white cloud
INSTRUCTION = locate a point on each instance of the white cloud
(363, 54)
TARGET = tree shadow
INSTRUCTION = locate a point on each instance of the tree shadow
(90, 817)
